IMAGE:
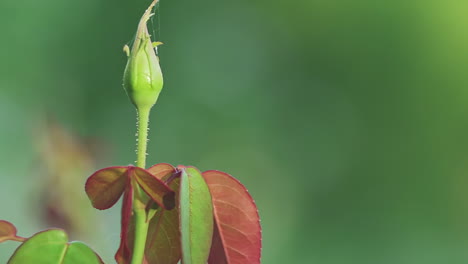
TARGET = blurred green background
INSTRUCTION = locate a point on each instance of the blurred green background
(346, 120)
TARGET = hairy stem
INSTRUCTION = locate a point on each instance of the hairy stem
(142, 138)
(140, 198)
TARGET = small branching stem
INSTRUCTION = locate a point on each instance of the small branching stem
(18, 239)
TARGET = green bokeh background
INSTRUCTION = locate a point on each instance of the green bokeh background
(346, 120)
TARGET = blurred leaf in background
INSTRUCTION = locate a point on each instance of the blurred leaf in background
(346, 120)
(63, 163)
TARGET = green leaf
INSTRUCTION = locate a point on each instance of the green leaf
(52, 247)
(79, 252)
(196, 217)
(105, 186)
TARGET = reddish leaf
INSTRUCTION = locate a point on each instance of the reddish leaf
(237, 235)
(105, 186)
(165, 173)
(124, 253)
(154, 188)
(163, 244)
(158, 189)
(162, 171)
(8, 232)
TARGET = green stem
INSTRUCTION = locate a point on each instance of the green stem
(141, 230)
(142, 139)
(140, 198)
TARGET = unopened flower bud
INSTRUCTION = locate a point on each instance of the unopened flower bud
(143, 80)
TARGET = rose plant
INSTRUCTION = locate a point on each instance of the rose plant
(169, 213)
